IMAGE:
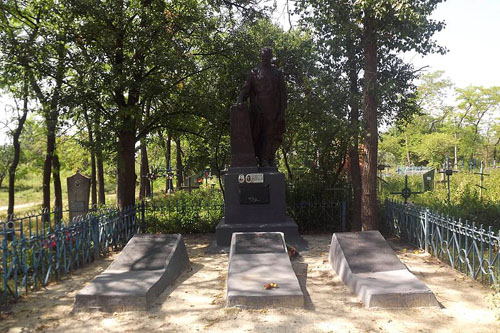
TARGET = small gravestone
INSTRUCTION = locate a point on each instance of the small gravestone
(78, 195)
(428, 180)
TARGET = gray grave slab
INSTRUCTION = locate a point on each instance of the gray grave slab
(368, 265)
(140, 273)
(261, 258)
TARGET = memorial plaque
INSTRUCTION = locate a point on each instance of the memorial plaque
(78, 195)
(252, 243)
(77, 206)
(254, 178)
(254, 194)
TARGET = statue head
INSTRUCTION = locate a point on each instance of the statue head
(266, 55)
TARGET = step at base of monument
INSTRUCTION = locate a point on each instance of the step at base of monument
(254, 264)
(366, 264)
(224, 231)
(140, 273)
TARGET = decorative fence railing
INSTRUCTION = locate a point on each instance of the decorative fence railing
(38, 248)
(467, 248)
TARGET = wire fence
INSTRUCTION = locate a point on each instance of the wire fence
(466, 247)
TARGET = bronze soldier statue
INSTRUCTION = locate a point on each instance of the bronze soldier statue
(267, 92)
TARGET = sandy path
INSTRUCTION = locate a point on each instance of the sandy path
(196, 302)
(20, 206)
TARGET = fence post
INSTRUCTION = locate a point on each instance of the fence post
(386, 216)
(426, 229)
(143, 217)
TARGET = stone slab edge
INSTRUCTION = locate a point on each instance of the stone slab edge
(387, 300)
(176, 262)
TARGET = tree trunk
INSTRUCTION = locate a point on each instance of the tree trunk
(455, 152)
(369, 172)
(145, 186)
(56, 167)
(167, 146)
(179, 162)
(51, 117)
(169, 186)
(101, 194)
(93, 176)
(17, 150)
(126, 168)
(93, 179)
(287, 166)
(47, 165)
(354, 150)
(408, 159)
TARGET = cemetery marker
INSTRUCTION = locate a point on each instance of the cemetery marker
(448, 172)
(406, 192)
(481, 187)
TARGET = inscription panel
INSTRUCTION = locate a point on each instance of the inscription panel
(77, 206)
(252, 243)
(254, 194)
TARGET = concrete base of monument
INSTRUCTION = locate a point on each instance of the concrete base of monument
(224, 231)
(140, 273)
(368, 265)
(257, 259)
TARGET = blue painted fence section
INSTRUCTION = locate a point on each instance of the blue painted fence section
(38, 248)
(467, 248)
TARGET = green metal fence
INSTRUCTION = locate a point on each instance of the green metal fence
(38, 248)
(466, 247)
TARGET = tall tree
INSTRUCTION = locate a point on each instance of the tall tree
(21, 119)
(143, 51)
(381, 28)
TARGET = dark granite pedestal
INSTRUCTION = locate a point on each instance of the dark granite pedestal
(255, 202)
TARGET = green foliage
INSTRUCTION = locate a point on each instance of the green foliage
(468, 127)
(183, 212)
(314, 203)
(5, 160)
(465, 201)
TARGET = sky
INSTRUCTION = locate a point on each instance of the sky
(472, 36)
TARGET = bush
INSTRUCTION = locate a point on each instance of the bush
(183, 212)
(314, 205)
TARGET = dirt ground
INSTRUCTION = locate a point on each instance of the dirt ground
(196, 302)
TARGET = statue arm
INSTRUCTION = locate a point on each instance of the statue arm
(245, 91)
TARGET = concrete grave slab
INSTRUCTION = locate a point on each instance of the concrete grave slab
(257, 258)
(140, 273)
(368, 265)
